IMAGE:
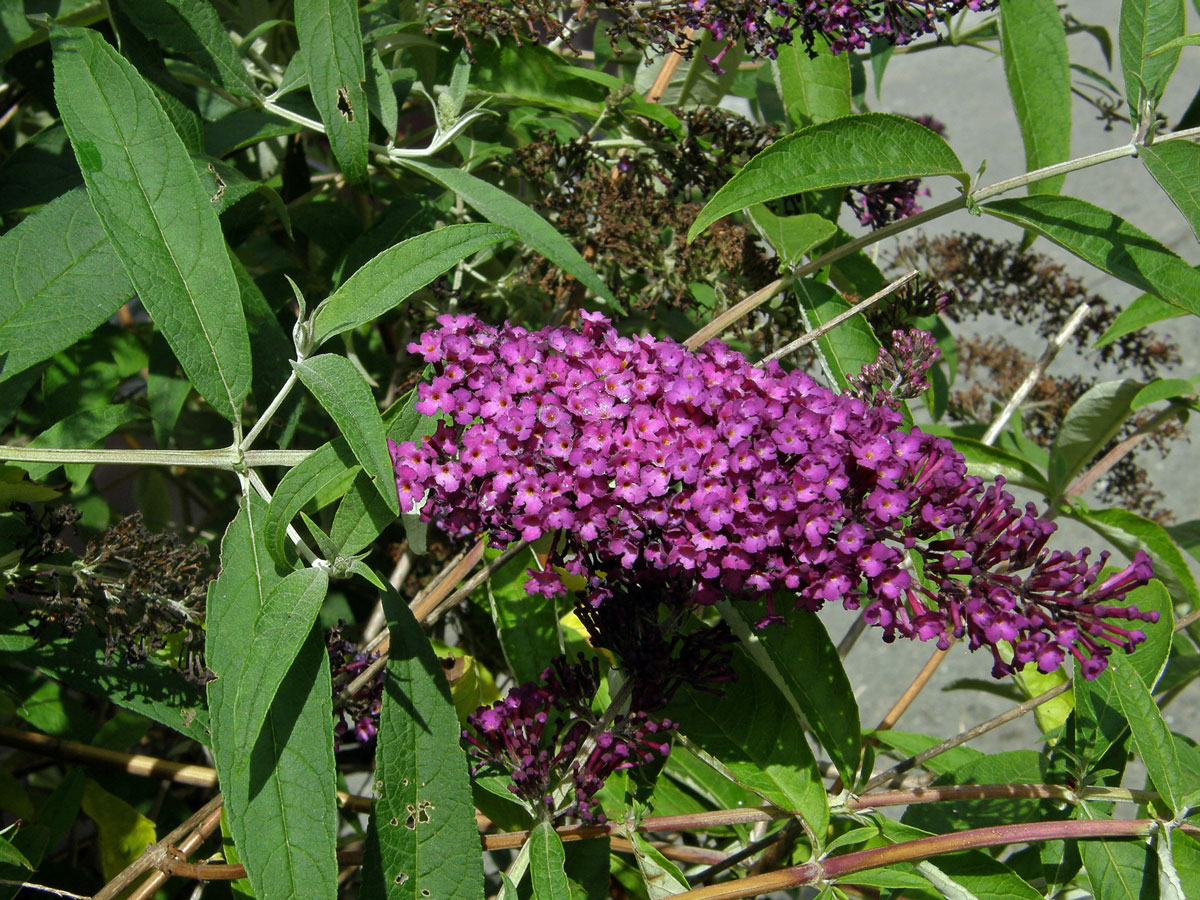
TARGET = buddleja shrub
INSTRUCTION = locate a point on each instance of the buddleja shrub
(433, 430)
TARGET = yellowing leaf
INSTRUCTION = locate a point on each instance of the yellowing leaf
(124, 832)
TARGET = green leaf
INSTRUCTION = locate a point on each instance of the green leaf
(702, 85)
(1108, 242)
(1130, 532)
(812, 89)
(82, 430)
(1099, 722)
(279, 798)
(1162, 389)
(851, 150)
(144, 188)
(1174, 165)
(123, 831)
(1033, 42)
(64, 281)
(381, 96)
(1120, 870)
(194, 28)
(345, 395)
(503, 209)
(360, 518)
(910, 744)
(1151, 736)
(792, 236)
(661, 876)
(526, 624)
(395, 274)
(848, 347)
(331, 46)
(153, 689)
(1188, 40)
(1088, 426)
(1145, 26)
(1144, 310)
(422, 840)
(988, 462)
(279, 632)
(328, 466)
(11, 856)
(760, 746)
(803, 663)
(546, 860)
(529, 75)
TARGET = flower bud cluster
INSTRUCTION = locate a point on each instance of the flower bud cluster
(880, 204)
(358, 716)
(546, 735)
(734, 479)
(898, 373)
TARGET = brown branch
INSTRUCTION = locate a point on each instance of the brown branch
(189, 845)
(1113, 456)
(134, 764)
(153, 854)
(830, 869)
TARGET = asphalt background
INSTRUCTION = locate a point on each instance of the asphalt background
(967, 91)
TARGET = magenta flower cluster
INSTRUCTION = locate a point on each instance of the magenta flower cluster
(738, 480)
(545, 735)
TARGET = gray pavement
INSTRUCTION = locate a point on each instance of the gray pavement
(967, 91)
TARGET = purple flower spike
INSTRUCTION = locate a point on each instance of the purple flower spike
(698, 475)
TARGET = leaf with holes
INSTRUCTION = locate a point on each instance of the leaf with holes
(331, 46)
(422, 841)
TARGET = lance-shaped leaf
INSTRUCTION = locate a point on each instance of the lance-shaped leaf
(391, 277)
(331, 46)
(804, 664)
(1108, 242)
(283, 624)
(1174, 165)
(1151, 736)
(546, 860)
(145, 190)
(503, 209)
(360, 518)
(341, 389)
(193, 27)
(813, 89)
(325, 470)
(1088, 425)
(1129, 532)
(1034, 43)
(64, 280)
(1144, 310)
(422, 840)
(852, 150)
(848, 347)
(1145, 26)
(1120, 870)
(279, 798)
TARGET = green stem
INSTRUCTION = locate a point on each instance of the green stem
(227, 458)
(719, 324)
(271, 409)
